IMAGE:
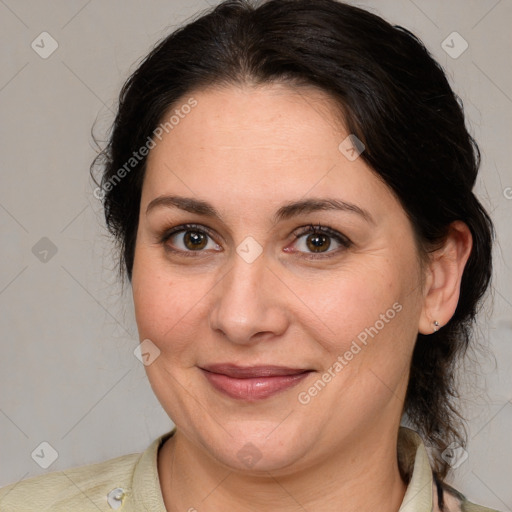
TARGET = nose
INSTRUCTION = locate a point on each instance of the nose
(249, 303)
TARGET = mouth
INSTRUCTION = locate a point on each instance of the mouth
(252, 383)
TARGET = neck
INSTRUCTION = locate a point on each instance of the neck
(363, 476)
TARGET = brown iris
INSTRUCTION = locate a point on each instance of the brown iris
(318, 243)
(194, 240)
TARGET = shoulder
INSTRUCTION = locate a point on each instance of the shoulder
(457, 502)
(83, 488)
(467, 506)
(471, 507)
(423, 486)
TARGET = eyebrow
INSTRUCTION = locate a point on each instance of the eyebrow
(286, 211)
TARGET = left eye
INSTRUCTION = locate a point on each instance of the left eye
(319, 240)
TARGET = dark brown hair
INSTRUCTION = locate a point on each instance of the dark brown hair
(394, 97)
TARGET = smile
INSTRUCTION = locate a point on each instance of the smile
(252, 383)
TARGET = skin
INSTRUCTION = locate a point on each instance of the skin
(247, 151)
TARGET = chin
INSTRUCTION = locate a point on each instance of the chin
(260, 447)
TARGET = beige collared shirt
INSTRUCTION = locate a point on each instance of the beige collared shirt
(130, 484)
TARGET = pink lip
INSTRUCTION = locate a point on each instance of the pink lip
(254, 382)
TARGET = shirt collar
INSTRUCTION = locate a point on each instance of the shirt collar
(414, 462)
(146, 491)
(412, 458)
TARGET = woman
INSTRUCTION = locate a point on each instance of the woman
(290, 186)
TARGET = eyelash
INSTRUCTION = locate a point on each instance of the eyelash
(310, 229)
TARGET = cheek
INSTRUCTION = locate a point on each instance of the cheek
(349, 302)
(368, 316)
(167, 303)
(148, 294)
(367, 345)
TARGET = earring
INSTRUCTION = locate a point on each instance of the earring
(436, 325)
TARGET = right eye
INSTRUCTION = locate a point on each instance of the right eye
(189, 238)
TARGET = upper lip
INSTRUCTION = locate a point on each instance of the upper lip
(247, 372)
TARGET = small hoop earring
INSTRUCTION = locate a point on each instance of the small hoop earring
(436, 325)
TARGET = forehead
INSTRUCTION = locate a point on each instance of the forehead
(251, 118)
(272, 141)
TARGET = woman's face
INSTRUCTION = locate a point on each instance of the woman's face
(273, 346)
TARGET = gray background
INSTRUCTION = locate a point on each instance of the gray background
(68, 375)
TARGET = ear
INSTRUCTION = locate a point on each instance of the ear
(442, 284)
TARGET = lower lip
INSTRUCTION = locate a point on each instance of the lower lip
(252, 389)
